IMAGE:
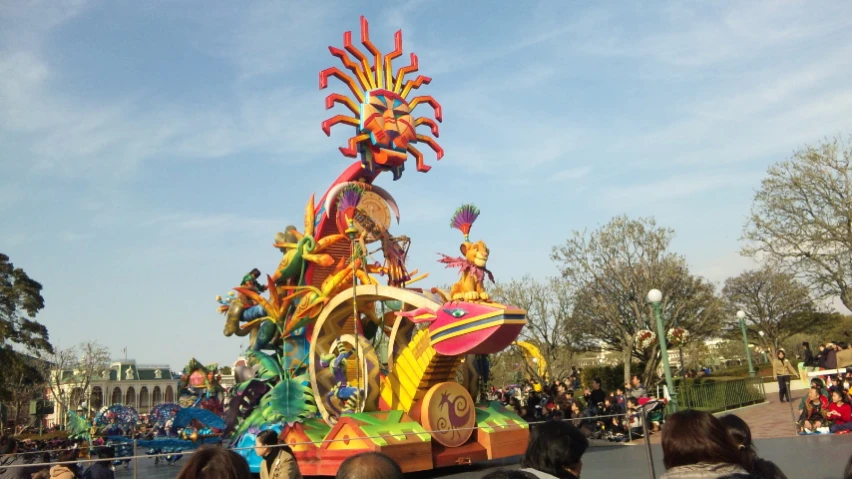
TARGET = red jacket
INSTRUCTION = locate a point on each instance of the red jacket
(845, 413)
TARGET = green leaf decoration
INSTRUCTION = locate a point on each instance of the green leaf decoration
(290, 401)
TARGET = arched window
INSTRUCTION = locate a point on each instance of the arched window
(97, 399)
(170, 394)
(116, 396)
(130, 397)
(143, 397)
(156, 396)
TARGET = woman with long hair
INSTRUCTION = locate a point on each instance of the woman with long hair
(278, 460)
(697, 445)
(741, 433)
(783, 370)
(214, 462)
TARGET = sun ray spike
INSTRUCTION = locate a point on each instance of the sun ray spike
(309, 216)
(351, 66)
(400, 74)
(335, 120)
(343, 100)
(429, 101)
(396, 53)
(428, 122)
(418, 158)
(365, 66)
(352, 150)
(439, 152)
(414, 84)
(335, 72)
(377, 55)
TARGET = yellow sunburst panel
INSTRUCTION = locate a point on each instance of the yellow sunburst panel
(382, 111)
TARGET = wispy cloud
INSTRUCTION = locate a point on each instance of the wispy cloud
(570, 174)
(70, 136)
(677, 186)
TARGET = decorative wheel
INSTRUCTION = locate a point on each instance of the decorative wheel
(447, 411)
(336, 325)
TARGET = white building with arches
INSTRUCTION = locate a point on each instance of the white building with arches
(141, 386)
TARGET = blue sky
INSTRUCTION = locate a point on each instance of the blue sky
(150, 150)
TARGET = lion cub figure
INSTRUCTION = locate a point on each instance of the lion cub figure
(472, 263)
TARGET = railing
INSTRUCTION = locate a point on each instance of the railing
(715, 396)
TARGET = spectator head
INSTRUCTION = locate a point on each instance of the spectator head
(508, 474)
(619, 391)
(781, 354)
(741, 433)
(369, 465)
(8, 445)
(596, 383)
(214, 462)
(106, 453)
(692, 437)
(68, 455)
(263, 441)
(560, 388)
(255, 272)
(806, 345)
(556, 448)
(838, 397)
(636, 381)
(813, 394)
(817, 383)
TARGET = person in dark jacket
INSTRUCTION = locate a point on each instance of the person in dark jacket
(101, 469)
(9, 457)
(808, 355)
(831, 356)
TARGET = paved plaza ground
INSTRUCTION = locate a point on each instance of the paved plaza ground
(811, 457)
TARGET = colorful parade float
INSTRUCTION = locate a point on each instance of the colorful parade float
(347, 354)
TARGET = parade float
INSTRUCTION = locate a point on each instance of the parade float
(347, 354)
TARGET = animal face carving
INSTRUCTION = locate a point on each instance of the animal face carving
(475, 253)
(460, 328)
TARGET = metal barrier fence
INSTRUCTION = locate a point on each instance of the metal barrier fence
(716, 396)
(135, 456)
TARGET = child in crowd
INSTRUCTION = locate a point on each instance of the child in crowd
(811, 418)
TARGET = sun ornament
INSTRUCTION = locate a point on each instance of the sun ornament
(382, 112)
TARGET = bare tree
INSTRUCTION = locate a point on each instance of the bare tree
(774, 302)
(23, 379)
(72, 370)
(551, 326)
(801, 218)
(613, 269)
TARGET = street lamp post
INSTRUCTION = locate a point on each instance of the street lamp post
(763, 337)
(741, 315)
(655, 297)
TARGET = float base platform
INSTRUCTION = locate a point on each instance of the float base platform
(320, 449)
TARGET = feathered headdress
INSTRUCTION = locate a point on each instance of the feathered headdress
(347, 201)
(463, 219)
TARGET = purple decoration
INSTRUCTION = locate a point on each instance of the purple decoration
(463, 218)
(349, 197)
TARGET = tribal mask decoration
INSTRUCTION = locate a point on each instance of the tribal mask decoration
(385, 128)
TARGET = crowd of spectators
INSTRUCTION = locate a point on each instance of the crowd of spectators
(614, 415)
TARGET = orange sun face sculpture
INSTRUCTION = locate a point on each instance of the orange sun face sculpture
(386, 130)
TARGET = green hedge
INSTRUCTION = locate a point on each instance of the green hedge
(611, 377)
